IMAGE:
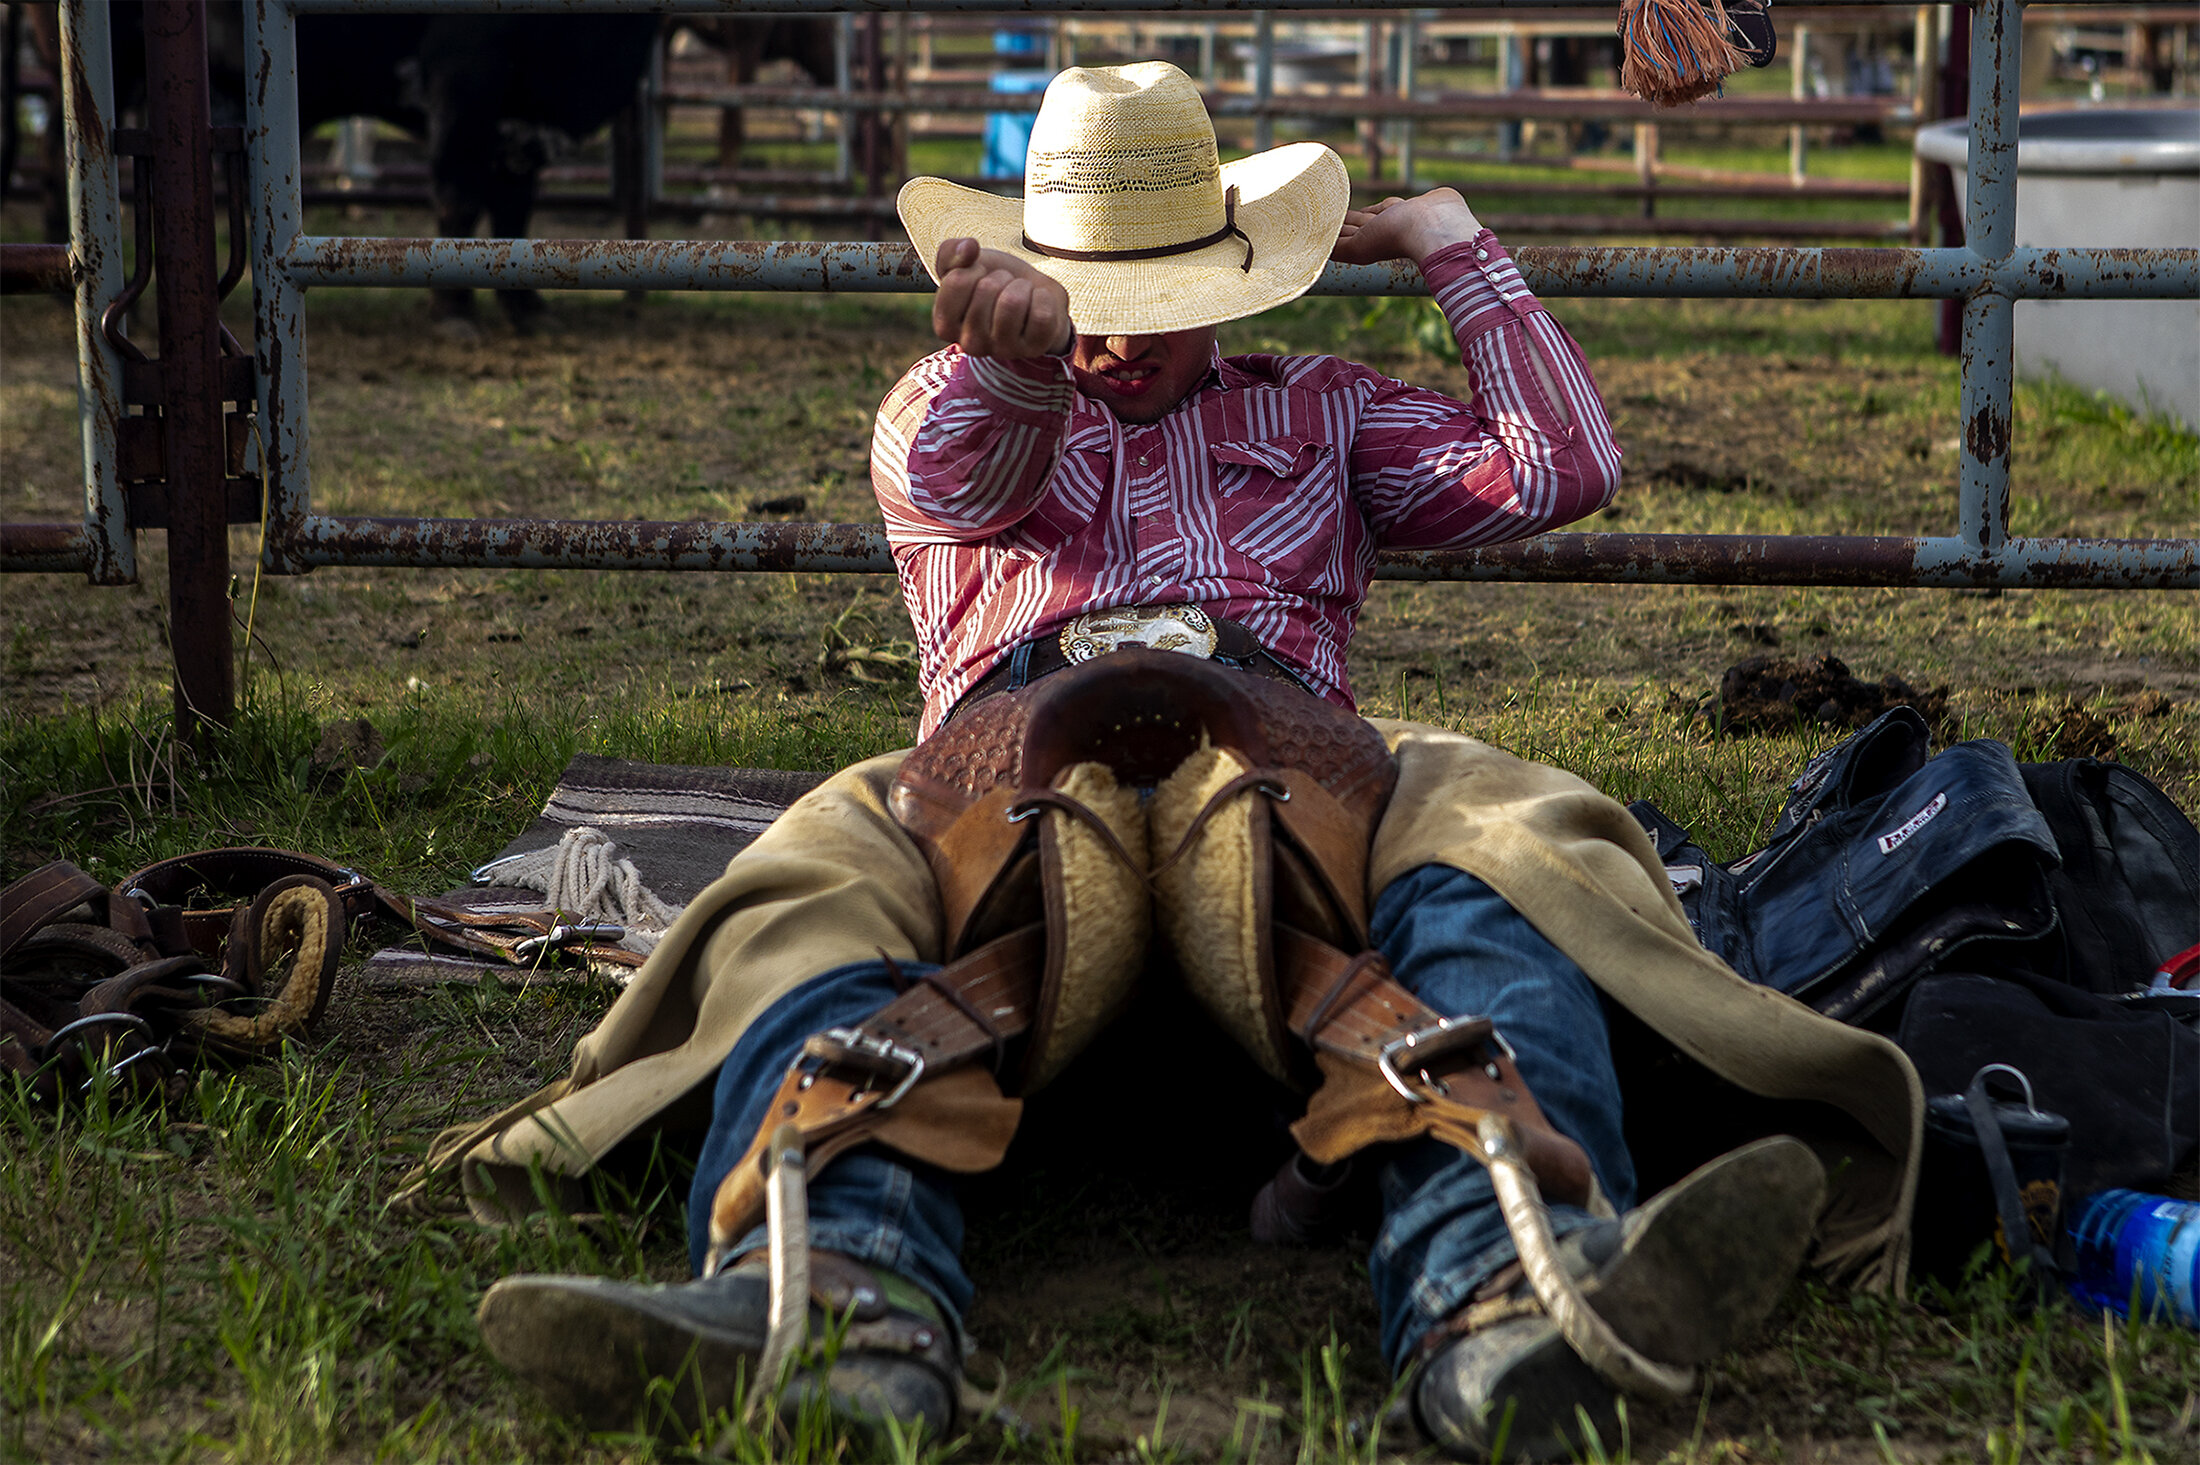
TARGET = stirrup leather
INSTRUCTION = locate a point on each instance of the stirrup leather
(1039, 858)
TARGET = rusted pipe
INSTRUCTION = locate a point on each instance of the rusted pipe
(1581, 270)
(1031, 7)
(1440, 107)
(34, 269)
(1674, 559)
(190, 365)
(1707, 226)
(56, 548)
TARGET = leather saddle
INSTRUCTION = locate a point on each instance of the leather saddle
(1062, 823)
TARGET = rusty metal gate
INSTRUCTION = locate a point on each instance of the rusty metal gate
(180, 462)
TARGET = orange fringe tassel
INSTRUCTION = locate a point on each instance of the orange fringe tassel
(1675, 51)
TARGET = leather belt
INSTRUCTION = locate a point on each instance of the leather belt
(1235, 646)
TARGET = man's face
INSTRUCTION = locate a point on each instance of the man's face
(1141, 378)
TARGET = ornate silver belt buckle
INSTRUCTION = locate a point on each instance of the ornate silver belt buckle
(1184, 628)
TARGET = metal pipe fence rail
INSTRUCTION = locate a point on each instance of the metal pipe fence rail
(910, 97)
(166, 466)
(1379, 110)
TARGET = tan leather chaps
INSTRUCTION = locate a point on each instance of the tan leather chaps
(1060, 822)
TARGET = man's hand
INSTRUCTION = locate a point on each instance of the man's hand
(1405, 228)
(994, 304)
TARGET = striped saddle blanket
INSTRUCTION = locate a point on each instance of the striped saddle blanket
(618, 844)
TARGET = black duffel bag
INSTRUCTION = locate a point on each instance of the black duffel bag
(1983, 912)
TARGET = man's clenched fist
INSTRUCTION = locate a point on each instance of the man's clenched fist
(994, 304)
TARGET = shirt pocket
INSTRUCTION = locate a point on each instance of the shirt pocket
(1277, 504)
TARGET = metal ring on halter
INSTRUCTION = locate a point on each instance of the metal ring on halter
(98, 1019)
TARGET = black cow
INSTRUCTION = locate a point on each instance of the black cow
(492, 95)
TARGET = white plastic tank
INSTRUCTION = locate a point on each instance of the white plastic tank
(2110, 178)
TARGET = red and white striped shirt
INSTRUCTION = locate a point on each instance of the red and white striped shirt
(1014, 503)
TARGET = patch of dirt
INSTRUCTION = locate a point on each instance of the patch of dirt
(2077, 733)
(1775, 694)
(347, 743)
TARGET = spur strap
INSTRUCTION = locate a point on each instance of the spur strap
(850, 1083)
(522, 938)
(1394, 1068)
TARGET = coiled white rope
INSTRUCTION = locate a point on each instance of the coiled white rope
(584, 877)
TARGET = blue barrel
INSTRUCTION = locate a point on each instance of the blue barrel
(1008, 134)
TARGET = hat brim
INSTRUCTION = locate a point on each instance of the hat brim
(1291, 203)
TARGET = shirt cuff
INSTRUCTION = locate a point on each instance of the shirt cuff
(1478, 286)
(1037, 390)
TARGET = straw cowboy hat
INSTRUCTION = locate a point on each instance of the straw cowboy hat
(1127, 204)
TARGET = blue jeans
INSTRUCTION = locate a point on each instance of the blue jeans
(1450, 940)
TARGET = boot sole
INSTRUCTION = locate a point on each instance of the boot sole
(1707, 1259)
(595, 1350)
(1701, 1265)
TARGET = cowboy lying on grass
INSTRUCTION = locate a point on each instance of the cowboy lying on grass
(1078, 479)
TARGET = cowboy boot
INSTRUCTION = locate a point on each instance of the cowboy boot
(1680, 1279)
(595, 1347)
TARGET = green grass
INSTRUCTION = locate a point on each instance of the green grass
(224, 1277)
(111, 786)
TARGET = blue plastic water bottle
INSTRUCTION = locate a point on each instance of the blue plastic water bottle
(2120, 1235)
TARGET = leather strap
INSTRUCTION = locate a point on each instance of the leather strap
(40, 898)
(850, 1086)
(969, 1008)
(1439, 1077)
(22, 1039)
(1347, 1005)
(2019, 1245)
